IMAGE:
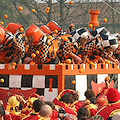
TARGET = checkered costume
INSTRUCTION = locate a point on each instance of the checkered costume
(93, 50)
(98, 32)
(45, 48)
(13, 46)
(66, 47)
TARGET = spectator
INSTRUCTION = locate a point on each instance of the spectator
(97, 117)
(116, 116)
(108, 111)
(37, 104)
(46, 112)
(83, 113)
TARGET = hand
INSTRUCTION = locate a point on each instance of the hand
(70, 117)
(41, 97)
(78, 60)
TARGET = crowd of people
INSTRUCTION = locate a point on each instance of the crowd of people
(51, 44)
(66, 106)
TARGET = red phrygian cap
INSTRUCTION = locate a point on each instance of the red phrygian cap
(13, 27)
(35, 31)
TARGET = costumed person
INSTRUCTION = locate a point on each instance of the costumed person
(46, 112)
(69, 101)
(71, 27)
(28, 106)
(83, 114)
(34, 114)
(13, 107)
(99, 49)
(12, 47)
(107, 86)
(92, 106)
(90, 102)
(40, 45)
(113, 107)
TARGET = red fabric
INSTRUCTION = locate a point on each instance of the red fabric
(113, 95)
(67, 109)
(93, 111)
(15, 117)
(77, 105)
(5, 94)
(32, 117)
(54, 115)
(7, 117)
(106, 111)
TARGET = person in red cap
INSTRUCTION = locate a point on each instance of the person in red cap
(71, 27)
(108, 111)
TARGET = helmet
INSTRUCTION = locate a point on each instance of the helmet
(54, 26)
(98, 32)
(13, 27)
(34, 31)
(80, 33)
(45, 29)
(3, 28)
(2, 35)
(109, 42)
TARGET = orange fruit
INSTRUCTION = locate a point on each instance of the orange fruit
(56, 31)
(107, 78)
(14, 64)
(68, 61)
(105, 20)
(32, 63)
(21, 29)
(48, 8)
(20, 8)
(47, 11)
(33, 55)
(81, 70)
(91, 25)
(49, 43)
(2, 23)
(71, 2)
(37, 52)
(1, 80)
(73, 82)
(13, 67)
(50, 37)
(6, 16)
(65, 38)
(33, 10)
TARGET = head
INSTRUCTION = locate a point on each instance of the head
(34, 34)
(102, 101)
(113, 95)
(97, 117)
(37, 104)
(14, 27)
(98, 32)
(46, 111)
(83, 112)
(89, 93)
(81, 35)
(109, 43)
(2, 35)
(71, 27)
(51, 104)
(53, 26)
(116, 116)
(2, 110)
(93, 100)
(67, 98)
(107, 82)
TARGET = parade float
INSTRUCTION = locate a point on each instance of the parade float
(49, 80)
